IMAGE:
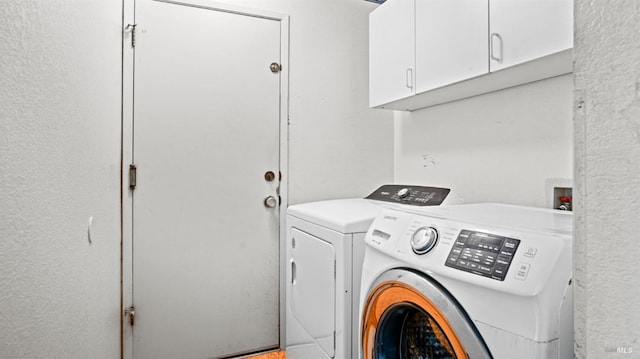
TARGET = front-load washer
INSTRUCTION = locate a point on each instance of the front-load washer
(324, 253)
(468, 281)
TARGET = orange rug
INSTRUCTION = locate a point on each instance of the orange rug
(273, 355)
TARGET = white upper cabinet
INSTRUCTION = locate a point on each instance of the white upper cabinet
(523, 30)
(391, 52)
(427, 52)
(451, 41)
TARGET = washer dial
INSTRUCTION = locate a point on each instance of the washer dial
(424, 239)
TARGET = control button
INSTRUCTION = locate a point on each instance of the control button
(473, 265)
(510, 245)
(505, 253)
(531, 252)
(461, 240)
(466, 254)
(522, 271)
(462, 263)
(403, 193)
(424, 239)
(452, 258)
(484, 269)
(504, 260)
(500, 271)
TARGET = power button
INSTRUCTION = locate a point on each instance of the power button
(522, 271)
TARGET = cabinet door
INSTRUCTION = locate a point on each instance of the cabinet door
(451, 41)
(391, 52)
(523, 30)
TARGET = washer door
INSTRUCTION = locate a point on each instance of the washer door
(408, 316)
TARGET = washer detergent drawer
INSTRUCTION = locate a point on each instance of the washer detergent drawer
(313, 287)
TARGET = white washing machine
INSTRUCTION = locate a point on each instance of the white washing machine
(325, 249)
(468, 281)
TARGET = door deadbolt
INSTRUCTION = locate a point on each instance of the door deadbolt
(275, 67)
(269, 176)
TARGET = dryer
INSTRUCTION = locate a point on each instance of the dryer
(324, 254)
(468, 281)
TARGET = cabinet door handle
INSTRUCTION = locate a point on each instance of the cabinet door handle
(498, 58)
(410, 78)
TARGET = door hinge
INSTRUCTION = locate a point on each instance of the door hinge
(133, 174)
(131, 313)
(132, 29)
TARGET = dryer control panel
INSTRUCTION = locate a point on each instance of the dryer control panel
(410, 195)
(484, 254)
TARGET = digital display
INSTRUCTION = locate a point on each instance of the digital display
(476, 239)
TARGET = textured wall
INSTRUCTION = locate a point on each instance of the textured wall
(59, 165)
(510, 146)
(607, 178)
(338, 147)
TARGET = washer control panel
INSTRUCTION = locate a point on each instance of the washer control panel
(483, 254)
(411, 195)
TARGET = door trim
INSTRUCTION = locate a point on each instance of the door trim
(126, 199)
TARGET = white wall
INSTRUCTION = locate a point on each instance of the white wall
(338, 147)
(510, 146)
(59, 165)
(607, 181)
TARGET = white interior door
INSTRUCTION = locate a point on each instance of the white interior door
(206, 129)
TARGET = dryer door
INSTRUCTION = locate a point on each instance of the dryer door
(408, 315)
(313, 288)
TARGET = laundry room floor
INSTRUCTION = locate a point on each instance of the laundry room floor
(273, 355)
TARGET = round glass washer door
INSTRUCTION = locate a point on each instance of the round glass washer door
(403, 319)
(406, 331)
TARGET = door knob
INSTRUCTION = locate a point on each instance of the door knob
(270, 202)
(275, 67)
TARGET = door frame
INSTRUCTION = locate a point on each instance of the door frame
(128, 67)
